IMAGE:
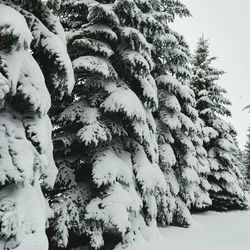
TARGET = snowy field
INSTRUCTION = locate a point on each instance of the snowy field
(211, 231)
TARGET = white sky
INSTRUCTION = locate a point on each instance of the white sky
(226, 24)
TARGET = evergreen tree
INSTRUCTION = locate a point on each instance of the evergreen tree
(246, 157)
(105, 137)
(221, 145)
(177, 122)
(182, 156)
(29, 45)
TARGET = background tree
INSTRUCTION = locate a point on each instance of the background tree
(246, 157)
(176, 119)
(181, 151)
(221, 145)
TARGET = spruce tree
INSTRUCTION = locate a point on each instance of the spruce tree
(29, 45)
(246, 156)
(183, 158)
(105, 137)
(177, 122)
(221, 145)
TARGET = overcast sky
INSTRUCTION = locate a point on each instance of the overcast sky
(227, 25)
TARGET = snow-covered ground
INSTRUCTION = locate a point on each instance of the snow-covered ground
(211, 231)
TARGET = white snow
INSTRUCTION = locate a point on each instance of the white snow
(109, 167)
(100, 29)
(95, 45)
(26, 157)
(136, 38)
(13, 23)
(94, 64)
(148, 174)
(148, 238)
(4, 88)
(210, 231)
(25, 222)
(123, 99)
